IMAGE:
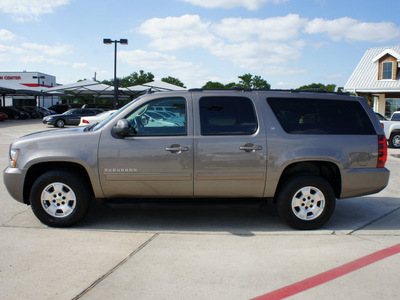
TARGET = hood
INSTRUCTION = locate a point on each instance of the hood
(50, 134)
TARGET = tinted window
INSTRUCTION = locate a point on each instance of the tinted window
(387, 71)
(145, 121)
(227, 116)
(318, 116)
(395, 117)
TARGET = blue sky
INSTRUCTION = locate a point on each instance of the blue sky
(287, 42)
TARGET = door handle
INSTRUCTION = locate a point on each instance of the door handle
(250, 148)
(176, 149)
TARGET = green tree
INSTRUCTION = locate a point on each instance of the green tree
(174, 81)
(248, 81)
(132, 79)
(213, 85)
(328, 87)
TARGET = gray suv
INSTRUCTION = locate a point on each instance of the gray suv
(303, 150)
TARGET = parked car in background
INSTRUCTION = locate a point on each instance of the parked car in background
(41, 111)
(32, 114)
(60, 108)
(392, 130)
(70, 117)
(90, 120)
(13, 113)
(3, 116)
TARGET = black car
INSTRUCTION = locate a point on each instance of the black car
(60, 108)
(71, 117)
(32, 114)
(41, 111)
(14, 113)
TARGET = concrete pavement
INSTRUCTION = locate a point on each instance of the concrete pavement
(195, 252)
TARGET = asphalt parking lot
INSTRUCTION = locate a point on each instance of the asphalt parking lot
(200, 252)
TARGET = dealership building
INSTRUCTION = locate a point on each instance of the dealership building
(30, 79)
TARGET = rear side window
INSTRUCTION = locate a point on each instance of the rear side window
(227, 116)
(319, 116)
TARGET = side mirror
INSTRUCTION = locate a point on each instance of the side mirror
(121, 128)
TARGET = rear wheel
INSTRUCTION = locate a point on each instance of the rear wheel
(306, 202)
(59, 198)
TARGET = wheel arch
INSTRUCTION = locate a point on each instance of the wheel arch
(327, 170)
(37, 170)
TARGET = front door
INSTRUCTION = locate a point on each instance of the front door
(156, 159)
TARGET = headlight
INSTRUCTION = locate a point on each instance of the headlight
(13, 157)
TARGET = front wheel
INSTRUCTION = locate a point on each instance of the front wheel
(59, 198)
(394, 140)
(306, 202)
(60, 123)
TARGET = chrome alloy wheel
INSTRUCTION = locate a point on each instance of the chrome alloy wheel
(58, 200)
(308, 203)
(396, 140)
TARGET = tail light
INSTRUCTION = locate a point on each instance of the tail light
(382, 151)
(85, 121)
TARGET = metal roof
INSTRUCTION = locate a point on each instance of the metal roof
(365, 76)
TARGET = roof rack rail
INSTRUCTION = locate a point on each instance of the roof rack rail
(240, 88)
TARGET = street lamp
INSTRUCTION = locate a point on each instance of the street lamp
(38, 79)
(122, 42)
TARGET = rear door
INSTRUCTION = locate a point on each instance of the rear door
(230, 146)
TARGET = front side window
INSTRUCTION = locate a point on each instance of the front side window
(147, 121)
(387, 71)
(227, 116)
(321, 116)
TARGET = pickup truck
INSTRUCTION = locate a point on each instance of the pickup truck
(300, 149)
(392, 130)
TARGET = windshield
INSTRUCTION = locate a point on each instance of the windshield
(104, 122)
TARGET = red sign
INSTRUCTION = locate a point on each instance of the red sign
(10, 77)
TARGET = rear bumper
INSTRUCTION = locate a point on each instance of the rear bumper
(360, 182)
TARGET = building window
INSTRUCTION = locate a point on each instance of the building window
(387, 71)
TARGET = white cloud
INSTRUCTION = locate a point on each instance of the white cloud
(35, 53)
(165, 65)
(249, 4)
(247, 43)
(79, 65)
(6, 36)
(55, 50)
(273, 29)
(354, 30)
(174, 33)
(28, 10)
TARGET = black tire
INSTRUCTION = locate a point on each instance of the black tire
(59, 123)
(306, 202)
(394, 140)
(17, 117)
(60, 198)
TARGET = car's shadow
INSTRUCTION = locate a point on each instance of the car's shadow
(350, 215)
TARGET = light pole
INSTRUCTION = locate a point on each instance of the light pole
(38, 84)
(122, 42)
(38, 79)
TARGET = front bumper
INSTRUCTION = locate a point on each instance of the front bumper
(14, 182)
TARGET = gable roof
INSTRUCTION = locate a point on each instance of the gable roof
(391, 52)
(365, 76)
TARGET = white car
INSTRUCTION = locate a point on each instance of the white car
(85, 121)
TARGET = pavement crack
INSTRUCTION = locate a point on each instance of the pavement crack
(373, 221)
(100, 279)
